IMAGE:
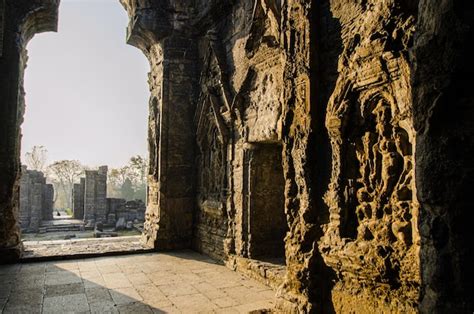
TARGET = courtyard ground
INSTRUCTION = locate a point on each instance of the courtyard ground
(178, 282)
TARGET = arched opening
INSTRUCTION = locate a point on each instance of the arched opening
(86, 96)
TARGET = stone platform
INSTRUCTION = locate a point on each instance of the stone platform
(178, 282)
(60, 224)
(77, 248)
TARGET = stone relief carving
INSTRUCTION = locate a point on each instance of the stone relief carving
(212, 131)
(371, 198)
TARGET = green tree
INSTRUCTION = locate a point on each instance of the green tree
(127, 190)
(64, 174)
(129, 182)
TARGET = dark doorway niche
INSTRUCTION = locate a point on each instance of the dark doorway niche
(266, 218)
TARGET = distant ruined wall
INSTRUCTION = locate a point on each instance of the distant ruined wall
(36, 200)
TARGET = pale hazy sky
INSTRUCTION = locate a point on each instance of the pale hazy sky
(86, 90)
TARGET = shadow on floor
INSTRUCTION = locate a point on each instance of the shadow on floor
(179, 282)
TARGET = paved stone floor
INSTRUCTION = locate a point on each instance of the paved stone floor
(75, 247)
(178, 282)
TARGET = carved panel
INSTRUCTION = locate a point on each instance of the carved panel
(212, 163)
(371, 198)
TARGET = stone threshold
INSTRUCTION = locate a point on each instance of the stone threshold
(39, 251)
(270, 272)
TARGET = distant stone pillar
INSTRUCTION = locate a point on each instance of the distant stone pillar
(173, 58)
(78, 200)
(89, 196)
(101, 195)
(48, 199)
(36, 205)
(25, 209)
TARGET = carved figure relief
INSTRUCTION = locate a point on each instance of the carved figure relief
(371, 194)
(212, 133)
(212, 164)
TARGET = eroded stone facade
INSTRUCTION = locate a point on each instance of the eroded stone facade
(336, 134)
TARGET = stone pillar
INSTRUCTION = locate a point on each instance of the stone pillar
(78, 199)
(19, 21)
(101, 195)
(172, 57)
(25, 209)
(89, 196)
(36, 205)
(48, 201)
(172, 192)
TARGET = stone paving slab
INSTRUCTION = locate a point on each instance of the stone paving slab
(178, 282)
(43, 250)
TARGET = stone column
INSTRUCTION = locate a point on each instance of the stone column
(172, 57)
(19, 21)
(25, 209)
(78, 200)
(90, 197)
(48, 197)
(36, 205)
(101, 195)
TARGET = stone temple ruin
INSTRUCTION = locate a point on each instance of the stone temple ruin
(36, 200)
(334, 135)
(91, 204)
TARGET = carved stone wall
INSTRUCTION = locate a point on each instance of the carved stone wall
(372, 237)
(238, 130)
(348, 122)
(329, 86)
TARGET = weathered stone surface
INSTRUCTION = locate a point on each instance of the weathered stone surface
(317, 130)
(372, 233)
(2, 24)
(442, 77)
